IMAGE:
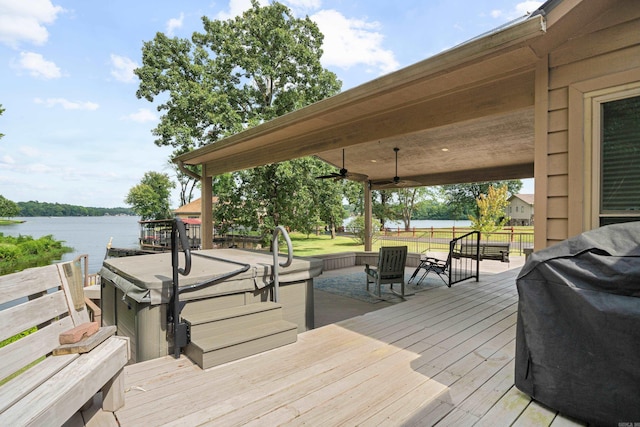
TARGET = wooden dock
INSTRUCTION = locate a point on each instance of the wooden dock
(444, 357)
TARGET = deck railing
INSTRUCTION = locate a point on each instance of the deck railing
(422, 240)
(467, 266)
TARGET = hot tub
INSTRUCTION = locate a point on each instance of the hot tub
(136, 292)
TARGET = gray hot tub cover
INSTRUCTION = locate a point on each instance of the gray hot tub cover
(578, 333)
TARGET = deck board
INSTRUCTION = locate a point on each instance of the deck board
(445, 356)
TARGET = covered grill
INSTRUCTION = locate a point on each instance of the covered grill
(578, 334)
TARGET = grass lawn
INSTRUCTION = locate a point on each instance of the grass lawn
(10, 221)
(311, 245)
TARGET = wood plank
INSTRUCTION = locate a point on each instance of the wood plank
(464, 334)
(28, 381)
(78, 333)
(62, 395)
(564, 421)
(506, 410)
(612, 62)
(24, 316)
(24, 351)
(252, 406)
(87, 344)
(621, 35)
(79, 316)
(535, 415)
(28, 282)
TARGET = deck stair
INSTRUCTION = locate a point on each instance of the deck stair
(228, 334)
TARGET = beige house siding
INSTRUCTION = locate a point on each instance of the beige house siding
(606, 55)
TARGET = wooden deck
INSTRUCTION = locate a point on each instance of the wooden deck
(444, 357)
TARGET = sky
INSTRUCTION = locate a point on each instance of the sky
(76, 133)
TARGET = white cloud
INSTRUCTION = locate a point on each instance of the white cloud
(39, 168)
(349, 42)
(66, 104)
(143, 115)
(174, 23)
(123, 68)
(7, 159)
(37, 66)
(521, 9)
(304, 4)
(29, 151)
(25, 20)
(236, 7)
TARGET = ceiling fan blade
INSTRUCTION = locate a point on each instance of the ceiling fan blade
(356, 176)
(384, 182)
(344, 174)
(396, 182)
(331, 175)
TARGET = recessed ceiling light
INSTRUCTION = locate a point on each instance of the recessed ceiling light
(445, 149)
(373, 161)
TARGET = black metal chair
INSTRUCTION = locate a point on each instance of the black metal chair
(438, 266)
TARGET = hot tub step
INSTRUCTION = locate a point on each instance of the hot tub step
(235, 344)
(214, 323)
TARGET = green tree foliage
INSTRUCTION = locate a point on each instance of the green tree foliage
(35, 208)
(462, 197)
(1, 111)
(284, 193)
(356, 228)
(8, 208)
(236, 74)
(408, 198)
(19, 253)
(491, 208)
(151, 198)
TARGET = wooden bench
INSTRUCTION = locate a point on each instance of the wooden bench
(495, 250)
(37, 387)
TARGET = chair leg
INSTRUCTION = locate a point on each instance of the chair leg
(415, 272)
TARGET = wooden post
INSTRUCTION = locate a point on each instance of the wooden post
(206, 209)
(368, 217)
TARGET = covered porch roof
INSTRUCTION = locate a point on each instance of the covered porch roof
(464, 115)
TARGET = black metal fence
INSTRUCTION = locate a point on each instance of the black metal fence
(422, 240)
(465, 264)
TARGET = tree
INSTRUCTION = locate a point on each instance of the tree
(407, 200)
(1, 111)
(382, 206)
(8, 208)
(462, 197)
(151, 198)
(491, 208)
(239, 73)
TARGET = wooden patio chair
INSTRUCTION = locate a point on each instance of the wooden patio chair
(430, 264)
(390, 269)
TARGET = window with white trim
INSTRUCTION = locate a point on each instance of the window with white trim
(616, 157)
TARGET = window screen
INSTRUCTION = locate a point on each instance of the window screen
(620, 178)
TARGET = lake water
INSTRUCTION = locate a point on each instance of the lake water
(428, 223)
(86, 235)
(90, 235)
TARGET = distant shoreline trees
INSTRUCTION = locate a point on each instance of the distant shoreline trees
(35, 208)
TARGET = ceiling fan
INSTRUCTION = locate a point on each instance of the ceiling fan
(396, 181)
(344, 174)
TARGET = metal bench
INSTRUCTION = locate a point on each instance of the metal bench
(38, 387)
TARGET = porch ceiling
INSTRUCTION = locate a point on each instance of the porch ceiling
(476, 101)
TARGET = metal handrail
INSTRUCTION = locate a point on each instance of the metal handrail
(276, 264)
(178, 235)
(180, 333)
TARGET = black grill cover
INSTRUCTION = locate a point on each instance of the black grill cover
(578, 333)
